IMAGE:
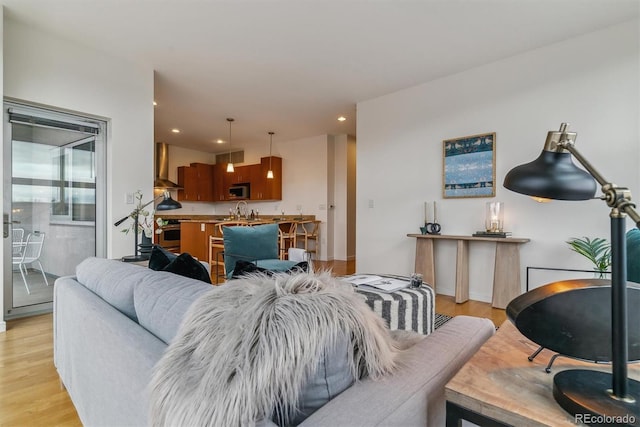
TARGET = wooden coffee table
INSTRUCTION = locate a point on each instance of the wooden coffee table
(499, 386)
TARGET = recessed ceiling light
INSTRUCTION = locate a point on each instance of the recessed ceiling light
(219, 141)
(342, 118)
(155, 103)
(175, 130)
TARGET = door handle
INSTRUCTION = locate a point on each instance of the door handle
(5, 225)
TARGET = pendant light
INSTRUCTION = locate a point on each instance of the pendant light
(270, 172)
(230, 164)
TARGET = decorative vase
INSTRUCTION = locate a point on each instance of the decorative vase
(145, 246)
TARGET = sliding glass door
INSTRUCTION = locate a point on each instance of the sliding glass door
(53, 201)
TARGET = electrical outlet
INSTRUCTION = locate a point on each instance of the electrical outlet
(298, 207)
(129, 198)
(370, 203)
(322, 207)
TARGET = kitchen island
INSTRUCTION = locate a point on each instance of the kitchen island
(195, 230)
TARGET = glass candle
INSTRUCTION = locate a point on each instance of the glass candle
(494, 217)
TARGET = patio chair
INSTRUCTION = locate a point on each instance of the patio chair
(30, 255)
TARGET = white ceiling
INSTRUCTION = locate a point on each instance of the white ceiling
(294, 66)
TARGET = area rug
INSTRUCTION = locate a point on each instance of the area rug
(440, 320)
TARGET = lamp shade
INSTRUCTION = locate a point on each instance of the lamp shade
(168, 203)
(553, 175)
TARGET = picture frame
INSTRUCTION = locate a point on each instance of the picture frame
(469, 166)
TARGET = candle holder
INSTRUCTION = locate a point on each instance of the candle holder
(494, 217)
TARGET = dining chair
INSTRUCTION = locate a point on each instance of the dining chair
(30, 255)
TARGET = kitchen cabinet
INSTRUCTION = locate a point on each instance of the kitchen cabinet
(261, 188)
(268, 189)
(197, 181)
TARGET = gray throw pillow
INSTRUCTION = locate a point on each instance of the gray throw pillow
(331, 377)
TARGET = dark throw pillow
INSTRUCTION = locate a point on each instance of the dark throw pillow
(187, 266)
(160, 258)
(246, 267)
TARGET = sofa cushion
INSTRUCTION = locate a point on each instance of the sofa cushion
(187, 266)
(160, 257)
(633, 255)
(113, 281)
(162, 299)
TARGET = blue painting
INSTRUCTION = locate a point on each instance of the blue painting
(469, 166)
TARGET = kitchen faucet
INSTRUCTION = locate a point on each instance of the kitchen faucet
(241, 211)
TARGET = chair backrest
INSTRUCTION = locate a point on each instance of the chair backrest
(309, 228)
(287, 228)
(259, 242)
(17, 234)
(33, 246)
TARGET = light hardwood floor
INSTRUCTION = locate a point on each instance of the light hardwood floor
(30, 391)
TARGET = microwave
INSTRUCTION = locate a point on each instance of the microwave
(240, 191)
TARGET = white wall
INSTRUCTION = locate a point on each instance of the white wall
(3, 325)
(44, 69)
(589, 81)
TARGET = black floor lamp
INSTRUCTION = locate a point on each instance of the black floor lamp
(167, 204)
(553, 175)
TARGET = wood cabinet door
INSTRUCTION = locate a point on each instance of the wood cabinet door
(188, 180)
(204, 182)
(220, 186)
(272, 187)
(256, 182)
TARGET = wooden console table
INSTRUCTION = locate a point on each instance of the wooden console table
(498, 386)
(506, 273)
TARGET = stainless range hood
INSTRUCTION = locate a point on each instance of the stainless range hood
(162, 168)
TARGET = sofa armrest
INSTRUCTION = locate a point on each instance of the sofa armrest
(413, 396)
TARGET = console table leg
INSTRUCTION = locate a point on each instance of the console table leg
(506, 275)
(425, 263)
(462, 272)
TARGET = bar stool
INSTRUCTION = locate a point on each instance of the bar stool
(307, 231)
(216, 250)
(287, 237)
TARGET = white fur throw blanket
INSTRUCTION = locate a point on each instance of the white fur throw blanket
(246, 348)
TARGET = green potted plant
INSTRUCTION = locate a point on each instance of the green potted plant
(596, 250)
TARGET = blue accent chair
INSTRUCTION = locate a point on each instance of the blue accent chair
(257, 244)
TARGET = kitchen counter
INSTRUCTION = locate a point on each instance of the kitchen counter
(214, 219)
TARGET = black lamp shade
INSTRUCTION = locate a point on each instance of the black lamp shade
(552, 175)
(168, 204)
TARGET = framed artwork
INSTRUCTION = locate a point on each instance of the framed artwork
(469, 166)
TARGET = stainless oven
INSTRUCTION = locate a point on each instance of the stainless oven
(170, 236)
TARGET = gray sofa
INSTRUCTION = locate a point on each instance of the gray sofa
(112, 322)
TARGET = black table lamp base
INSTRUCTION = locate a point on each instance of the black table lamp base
(587, 395)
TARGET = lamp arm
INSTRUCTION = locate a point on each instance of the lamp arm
(616, 197)
(117, 223)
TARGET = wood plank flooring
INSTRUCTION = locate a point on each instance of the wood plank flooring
(30, 391)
